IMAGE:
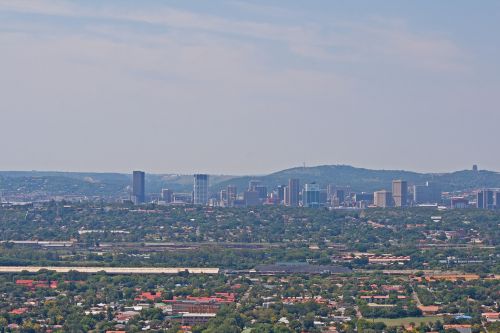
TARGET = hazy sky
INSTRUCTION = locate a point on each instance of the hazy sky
(247, 87)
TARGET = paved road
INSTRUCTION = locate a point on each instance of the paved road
(111, 270)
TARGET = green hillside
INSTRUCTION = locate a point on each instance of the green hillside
(116, 184)
(367, 180)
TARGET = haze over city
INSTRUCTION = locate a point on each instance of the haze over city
(240, 87)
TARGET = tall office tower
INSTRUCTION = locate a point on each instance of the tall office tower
(231, 194)
(286, 196)
(383, 199)
(166, 195)
(459, 202)
(338, 197)
(262, 190)
(223, 196)
(430, 193)
(366, 198)
(253, 184)
(251, 198)
(200, 189)
(330, 192)
(138, 187)
(486, 199)
(310, 195)
(323, 197)
(400, 193)
(293, 192)
(281, 193)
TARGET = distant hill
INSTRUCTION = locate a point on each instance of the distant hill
(117, 185)
(90, 183)
(360, 179)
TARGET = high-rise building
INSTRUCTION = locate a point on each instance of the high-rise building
(293, 192)
(363, 198)
(231, 194)
(338, 197)
(383, 199)
(400, 193)
(281, 193)
(200, 189)
(286, 196)
(138, 187)
(252, 184)
(310, 195)
(459, 202)
(223, 196)
(323, 197)
(330, 192)
(430, 193)
(251, 198)
(486, 199)
(262, 190)
(166, 195)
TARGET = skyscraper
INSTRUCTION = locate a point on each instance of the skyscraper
(281, 193)
(262, 190)
(383, 199)
(486, 199)
(251, 198)
(286, 195)
(400, 193)
(363, 199)
(310, 195)
(338, 197)
(138, 187)
(330, 191)
(231, 194)
(200, 189)
(293, 192)
(166, 195)
(252, 184)
(430, 193)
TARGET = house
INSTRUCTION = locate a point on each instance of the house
(491, 316)
(19, 311)
(459, 328)
(125, 316)
(148, 296)
(428, 309)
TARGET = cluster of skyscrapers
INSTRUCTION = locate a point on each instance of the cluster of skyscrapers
(311, 195)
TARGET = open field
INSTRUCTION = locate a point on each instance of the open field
(110, 270)
(406, 320)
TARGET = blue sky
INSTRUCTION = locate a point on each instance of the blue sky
(247, 87)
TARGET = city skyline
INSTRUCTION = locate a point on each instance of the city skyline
(312, 195)
(88, 83)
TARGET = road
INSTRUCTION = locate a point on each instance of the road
(111, 270)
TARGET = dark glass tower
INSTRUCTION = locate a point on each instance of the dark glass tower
(138, 187)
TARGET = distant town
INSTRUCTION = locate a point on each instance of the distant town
(108, 253)
(312, 195)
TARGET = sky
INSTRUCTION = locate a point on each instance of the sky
(249, 87)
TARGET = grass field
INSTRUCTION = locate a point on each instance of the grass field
(406, 320)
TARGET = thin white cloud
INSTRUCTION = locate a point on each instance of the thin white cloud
(359, 41)
(169, 81)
